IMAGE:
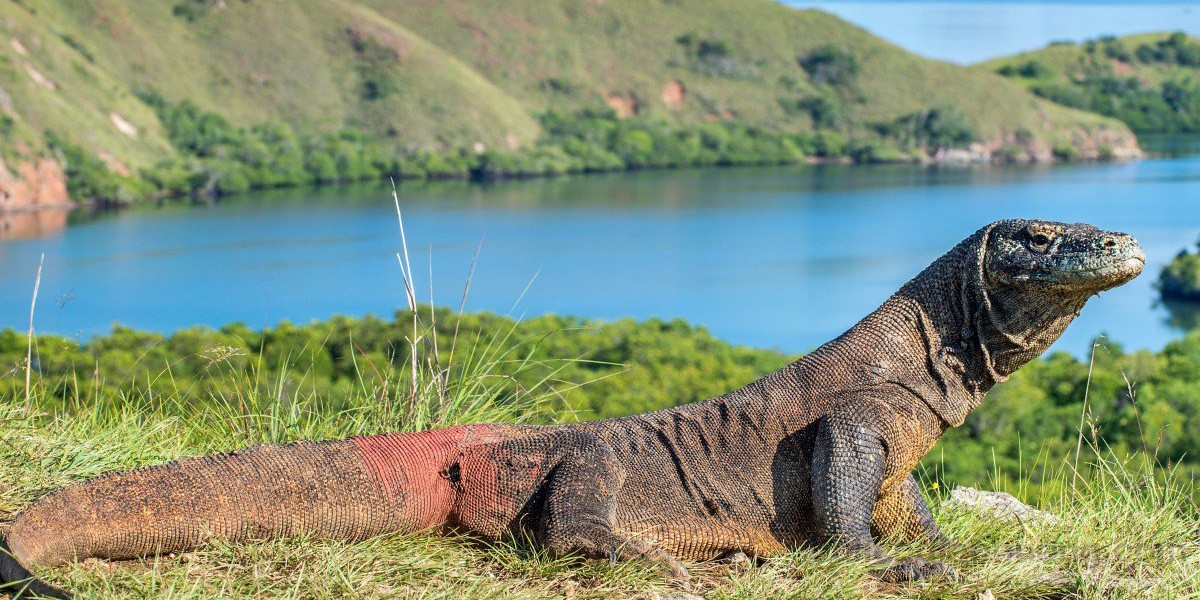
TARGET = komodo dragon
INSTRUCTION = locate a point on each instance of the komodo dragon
(821, 450)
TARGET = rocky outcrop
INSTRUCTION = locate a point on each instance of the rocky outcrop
(1106, 144)
(673, 94)
(1102, 143)
(999, 505)
(33, 184)
(624, 105)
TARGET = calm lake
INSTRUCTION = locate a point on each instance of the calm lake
(784, 257)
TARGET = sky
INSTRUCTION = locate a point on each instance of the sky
(968, 32)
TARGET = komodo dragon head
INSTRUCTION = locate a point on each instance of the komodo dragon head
(1005, 294)
(1037, 276)
(1042, 259)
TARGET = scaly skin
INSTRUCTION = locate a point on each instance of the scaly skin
(820, 451)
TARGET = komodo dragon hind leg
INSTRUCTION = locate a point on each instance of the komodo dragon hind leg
(580, 507)
(901, 515)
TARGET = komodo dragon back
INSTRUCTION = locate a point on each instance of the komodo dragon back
(819, 451)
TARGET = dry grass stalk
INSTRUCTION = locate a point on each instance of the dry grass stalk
(37, 283)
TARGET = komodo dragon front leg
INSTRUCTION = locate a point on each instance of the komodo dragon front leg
(858, 450)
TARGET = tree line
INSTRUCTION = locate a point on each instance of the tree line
(1141, 405)
(214, 157)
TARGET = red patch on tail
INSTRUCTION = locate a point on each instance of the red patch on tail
(410, 471)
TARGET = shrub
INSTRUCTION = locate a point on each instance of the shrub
(1178, 49)
(77, 46)
(1146, 53)
(830, 64)
(932, 129)
(1065, 152)
(1180, 279)
(191, 10)
(714, 57)
(321, 167)
(1034, 70)
(1115, 49)
(1010, 153)
(825, 110)
(376, 67)
(89, 178)
(829, 144)
(557, 85)
(232, 180)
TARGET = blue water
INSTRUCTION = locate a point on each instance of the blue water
(966, 32)
(783, 257)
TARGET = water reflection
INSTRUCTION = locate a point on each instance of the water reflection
(1170, 145)
(1182, 315)
(32, 224)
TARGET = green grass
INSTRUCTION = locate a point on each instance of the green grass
(633, 49)
(1123, 534)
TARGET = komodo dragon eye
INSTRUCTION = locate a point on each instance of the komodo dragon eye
(1039, 240)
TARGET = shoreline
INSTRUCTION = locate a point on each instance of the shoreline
(947, 158)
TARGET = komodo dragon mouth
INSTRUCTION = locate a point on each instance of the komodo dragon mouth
(820, 451)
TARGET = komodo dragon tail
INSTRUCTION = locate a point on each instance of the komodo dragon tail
(347, 490)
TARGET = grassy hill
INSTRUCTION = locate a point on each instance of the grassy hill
(743, 61)
(1149, 81)
(383, 82)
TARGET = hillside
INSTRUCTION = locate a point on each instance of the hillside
(1149, 81)
(353, 89)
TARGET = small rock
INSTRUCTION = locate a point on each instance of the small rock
(40, 78)
(998, 504)
(737, 562)
(737, 557)
(681, 596)
(667, 596)
(985, 595)
(568, 588)
(123, 125)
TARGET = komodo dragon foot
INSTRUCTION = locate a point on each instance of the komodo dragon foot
(915, 569)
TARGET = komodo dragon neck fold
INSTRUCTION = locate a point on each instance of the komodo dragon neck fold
(944, 336)
(819, 451)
